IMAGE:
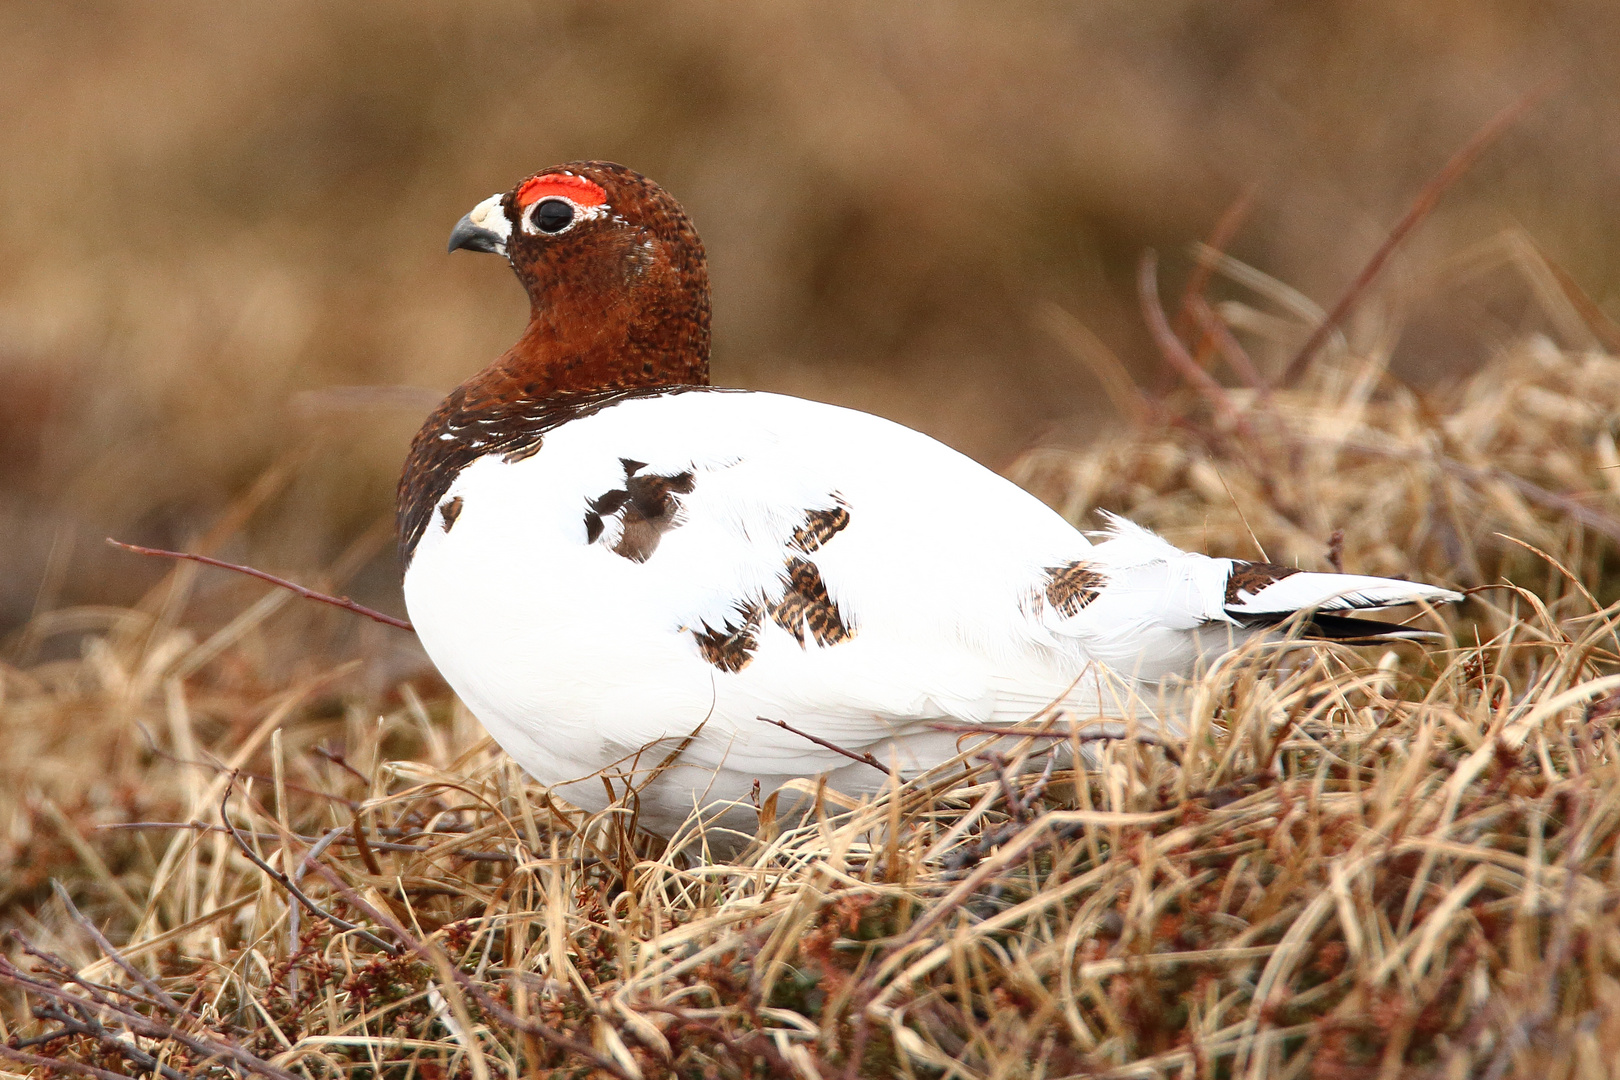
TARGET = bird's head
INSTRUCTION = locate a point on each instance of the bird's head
(617, 280)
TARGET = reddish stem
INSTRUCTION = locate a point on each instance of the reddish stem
(1460, 162)
(1225, 230)
(1170, 346)
(308, 594)
(864, 759)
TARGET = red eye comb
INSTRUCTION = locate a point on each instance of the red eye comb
(563, 185)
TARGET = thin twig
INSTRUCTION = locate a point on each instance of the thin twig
(63, 973)
(1460, 163)
(864, 759)
(377, 845)
(217, 1046)
(1085, 736)
(59, 1064)
(337, 758)
(1231, 350)
(1170, 346)
(357, 829)
(308, 594)
(159, 996)
(286, 883)
(1226, 227)
(220, 767)
(87, 1025)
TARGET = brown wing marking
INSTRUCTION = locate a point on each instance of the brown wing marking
(819, 527)
(449, 510)
(805, 604)
(1251, 577)
(1070, 588)
(731, 647)
(646, 506)
(805, 609)
(652, 511)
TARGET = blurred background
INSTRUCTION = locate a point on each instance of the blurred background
(219, 221)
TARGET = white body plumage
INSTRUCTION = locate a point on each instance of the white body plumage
(927, 588)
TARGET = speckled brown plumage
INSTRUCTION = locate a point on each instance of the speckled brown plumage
(819, 527)
(449, 510)
(1251, 577)
(615, 310)
(731, 647)
(805, 609)
(1070, 588)
(511, 429)
(646, 506)
(652, 511)
(805, 604)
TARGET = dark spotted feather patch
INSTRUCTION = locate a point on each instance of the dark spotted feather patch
(1070, 588)
(806, 605)
(1251, 577)
(449, 510)
(646, 506)
(731, 648)
(805, 608)
(459, 433)
(819, 527)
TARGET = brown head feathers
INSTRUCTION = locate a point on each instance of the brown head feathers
(618, 305)
(617, 281)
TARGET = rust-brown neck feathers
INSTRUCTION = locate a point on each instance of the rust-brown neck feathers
(618, 305)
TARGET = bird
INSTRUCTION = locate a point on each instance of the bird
(643, 583)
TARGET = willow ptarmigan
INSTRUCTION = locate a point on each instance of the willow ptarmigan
(608, 558)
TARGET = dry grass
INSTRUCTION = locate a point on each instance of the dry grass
(1357, 865)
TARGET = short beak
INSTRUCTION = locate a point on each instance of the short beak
(484, 229)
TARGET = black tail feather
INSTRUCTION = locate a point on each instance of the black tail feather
(1342, 628)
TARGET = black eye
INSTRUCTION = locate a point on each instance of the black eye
(553, 215)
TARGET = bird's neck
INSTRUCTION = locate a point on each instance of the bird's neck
(595, 334)
(549, 360)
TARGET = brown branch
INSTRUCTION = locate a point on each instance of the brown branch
(1226, 227)
(1595, 318)
(1018, 806)
(337, 758)
(1426, 200)
(86, 1025)
(216, 1045)
(308, 594)
(219, 767)
(287, 883)
(864, 759)
(1085, 736)
(58, 1064)
(159, 996)
(1170, 346)
(1231, 350)
(377, 845)
(357, 829)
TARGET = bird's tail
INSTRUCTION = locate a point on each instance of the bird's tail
(1258, 595)
(1191, 590)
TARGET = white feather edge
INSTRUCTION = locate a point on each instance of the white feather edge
(1296, 592)
(1337, 592)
